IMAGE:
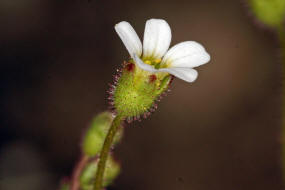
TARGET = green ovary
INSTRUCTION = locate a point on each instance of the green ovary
(136, 92)
(133, 95)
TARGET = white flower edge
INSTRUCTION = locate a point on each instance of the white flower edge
(129, 38)
(187, 54)
(157, 38)
(178, 60)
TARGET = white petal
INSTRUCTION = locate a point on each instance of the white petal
(186, 54)
(187, 74)
(157, 38)
(144, 66)
(129, 37)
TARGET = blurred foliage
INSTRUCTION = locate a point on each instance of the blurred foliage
(65, 186)
(269, 12)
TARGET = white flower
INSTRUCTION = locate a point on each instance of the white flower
(154, 55)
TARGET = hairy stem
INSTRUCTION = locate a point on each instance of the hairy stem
(105, 152)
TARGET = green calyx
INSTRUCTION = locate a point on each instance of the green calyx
(137, 90)
(269, 12)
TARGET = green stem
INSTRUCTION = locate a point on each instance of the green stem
(105, 152)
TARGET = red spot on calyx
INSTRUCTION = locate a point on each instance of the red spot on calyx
(152, 78)
(171, 80)
(130, 67)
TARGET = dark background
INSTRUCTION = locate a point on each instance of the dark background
(221, 132)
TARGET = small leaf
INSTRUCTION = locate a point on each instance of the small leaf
(96, 134)
(87, 177)
(112, 171)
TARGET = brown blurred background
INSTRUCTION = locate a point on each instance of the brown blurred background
(221, 132)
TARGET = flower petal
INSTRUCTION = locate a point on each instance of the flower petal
(186, 74)
(157, 38)
(129, 37)
(186, 54)
(144, 66)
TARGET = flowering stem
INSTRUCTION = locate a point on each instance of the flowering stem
(105, 152)
(281, 36)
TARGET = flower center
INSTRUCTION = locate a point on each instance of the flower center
(154, 62)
